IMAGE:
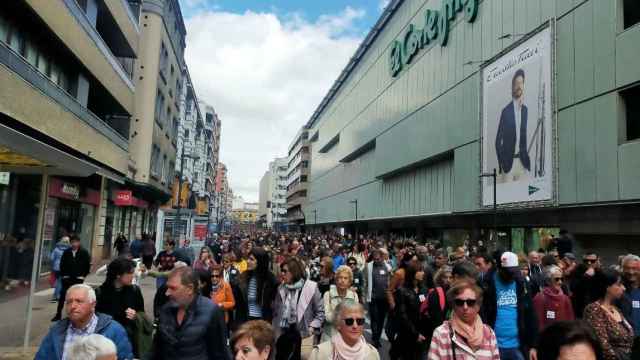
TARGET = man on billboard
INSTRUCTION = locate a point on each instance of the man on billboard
(511, 138)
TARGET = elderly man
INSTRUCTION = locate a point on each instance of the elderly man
(630, 301)
(190, 326)
(82, 321)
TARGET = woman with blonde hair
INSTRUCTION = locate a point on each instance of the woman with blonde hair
(253, 340)
(337, 293)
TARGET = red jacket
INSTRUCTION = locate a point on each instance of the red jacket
(552, 305)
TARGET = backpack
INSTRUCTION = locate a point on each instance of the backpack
(424, 305)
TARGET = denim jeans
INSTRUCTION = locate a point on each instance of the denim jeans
(510, 354)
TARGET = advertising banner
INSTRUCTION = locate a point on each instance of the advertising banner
(517, 123)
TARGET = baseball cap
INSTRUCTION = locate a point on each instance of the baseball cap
(570, 256)
(508, 260)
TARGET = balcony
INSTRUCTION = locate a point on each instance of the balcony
(112, 127)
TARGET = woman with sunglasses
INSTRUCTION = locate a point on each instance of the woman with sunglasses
(464, 337)
(551, 304)
(221, 292)
(298, 311)
(348, 343)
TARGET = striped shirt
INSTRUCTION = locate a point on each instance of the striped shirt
(73, 334)
(441, 348)
(255, 310)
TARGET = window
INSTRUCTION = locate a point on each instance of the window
(632, 112)
(303, 178)
(631, 9)
(305, 163)
(172, 167)
(175, 128)
(4, 29)
(164, 60)
(31, 52)
(158, 115)
(186, 133)
(155, 160)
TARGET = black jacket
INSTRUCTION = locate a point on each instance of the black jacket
(201, 336)
(240, 294)
(527, 320)
(75, 266)
(506, 146)
(409, 324)
(115, 302)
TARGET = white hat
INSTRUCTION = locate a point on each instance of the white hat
(508, 260)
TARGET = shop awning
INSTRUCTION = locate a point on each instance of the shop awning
(20, 153)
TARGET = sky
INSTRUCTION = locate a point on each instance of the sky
(265, 65)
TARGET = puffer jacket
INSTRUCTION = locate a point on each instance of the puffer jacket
(202, 335)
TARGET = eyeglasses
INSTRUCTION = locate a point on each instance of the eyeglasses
(350, 321)
(590, 261)
(461, 302)
(215, 276)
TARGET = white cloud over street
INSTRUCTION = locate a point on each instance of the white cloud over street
(265, 75)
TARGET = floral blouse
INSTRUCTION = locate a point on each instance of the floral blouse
(615, 337)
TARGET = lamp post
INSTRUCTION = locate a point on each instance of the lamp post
(493, 175)
(176, 222)
(355, 202)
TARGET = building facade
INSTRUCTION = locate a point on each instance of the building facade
(67, 74)
(298, 165)
(272, 208)
(224, 198)
(425, 108)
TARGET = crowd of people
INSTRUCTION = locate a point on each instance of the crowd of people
(297, 296)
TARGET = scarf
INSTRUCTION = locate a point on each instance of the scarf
(289, 313)
(342, 351)
(474, 334)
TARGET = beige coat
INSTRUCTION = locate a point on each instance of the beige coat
(324, 351)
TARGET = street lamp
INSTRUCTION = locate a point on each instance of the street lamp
(355, 202)
(493, 175)
(176, 222)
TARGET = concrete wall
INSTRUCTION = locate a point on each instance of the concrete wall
(425, 121)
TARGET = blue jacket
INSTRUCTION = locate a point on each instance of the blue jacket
(506, 146)
(56, 255)
(52, 345)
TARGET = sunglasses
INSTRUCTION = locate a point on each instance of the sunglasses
(215, 276)
(558, 279)
(589, 261)
(284, 271)
(461, 302)
(350, 321)
(352, 264)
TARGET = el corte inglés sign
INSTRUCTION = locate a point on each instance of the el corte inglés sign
(435, 31)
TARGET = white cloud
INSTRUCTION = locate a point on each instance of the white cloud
(383, 4)
(265, 76)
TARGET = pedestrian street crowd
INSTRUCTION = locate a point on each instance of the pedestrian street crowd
(293, 296)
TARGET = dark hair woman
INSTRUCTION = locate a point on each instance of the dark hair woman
(298, 310)
(612, 329)
(255, 289)
(563, 338)
(410, 340)
(123, 301)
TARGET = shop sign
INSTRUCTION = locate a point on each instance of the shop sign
(123, 198)
(435, 31)
(200, 231)
(4, 178)
(71, 190)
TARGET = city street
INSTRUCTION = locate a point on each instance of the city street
(283, 158)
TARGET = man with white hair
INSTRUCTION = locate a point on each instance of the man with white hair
(82, 321)
(93, 347)
(630, 301)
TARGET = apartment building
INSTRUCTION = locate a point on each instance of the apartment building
(66, 106)
(272, 208)
(298, 166)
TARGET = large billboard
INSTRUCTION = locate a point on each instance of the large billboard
(517, 123)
